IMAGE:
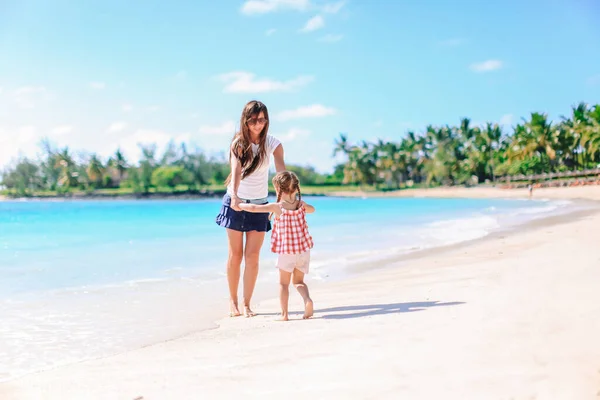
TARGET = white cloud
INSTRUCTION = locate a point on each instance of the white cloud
(27, 96)
(246, 82)
(293, 134)
(253, 7)
(126, 107)
(331, 38)
(486, 66)
(312, 111)
(453, 42)
(116, 127)
(270, 32)
(62, 129)
(97, 85)
(226, 128)
(507, 119)
(130, 144)
(266, 6)
(315, 23)
(334, 8)
(22, 141)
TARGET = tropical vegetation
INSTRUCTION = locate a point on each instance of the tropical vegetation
(465, 154)
(469, 154)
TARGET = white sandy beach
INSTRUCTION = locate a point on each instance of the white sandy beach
(510, 317)
(575, 192)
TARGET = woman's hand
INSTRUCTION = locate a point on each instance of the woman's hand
(235, 203)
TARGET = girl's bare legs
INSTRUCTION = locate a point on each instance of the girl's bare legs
(284, 292)
(254, 241)
(234, 261)
(298, 280)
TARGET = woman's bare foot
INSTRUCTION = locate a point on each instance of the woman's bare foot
(284, 317)
(308, 309)
(234, 311)
(248, 312)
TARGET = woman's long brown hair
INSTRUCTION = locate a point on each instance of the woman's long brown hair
(241, 145)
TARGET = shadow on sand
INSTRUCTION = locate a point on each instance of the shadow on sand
(379, 309)
(346, 312)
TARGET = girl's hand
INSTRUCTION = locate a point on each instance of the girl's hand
(235, 203)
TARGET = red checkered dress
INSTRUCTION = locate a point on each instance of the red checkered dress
(290, 232)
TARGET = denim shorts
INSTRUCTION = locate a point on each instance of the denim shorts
(242, 221)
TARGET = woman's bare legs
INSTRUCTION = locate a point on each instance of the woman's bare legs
(234, 261)
(298, 280)
(284, 292)
(254, 241)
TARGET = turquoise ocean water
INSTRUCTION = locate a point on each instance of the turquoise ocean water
(81, 279)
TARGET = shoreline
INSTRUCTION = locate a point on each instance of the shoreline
(559, 193)
(590, 210)
(554, 192)
(227, 327)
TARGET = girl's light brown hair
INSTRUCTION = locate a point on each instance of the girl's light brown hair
(286, 182)
(241, 145)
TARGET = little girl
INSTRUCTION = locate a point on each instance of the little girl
(290, 238)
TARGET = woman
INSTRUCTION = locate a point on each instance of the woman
(249, 157)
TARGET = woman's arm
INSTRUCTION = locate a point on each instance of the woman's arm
(261, 208)
(278, 156)
(236, 177)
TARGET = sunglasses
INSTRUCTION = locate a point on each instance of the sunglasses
(254, 121)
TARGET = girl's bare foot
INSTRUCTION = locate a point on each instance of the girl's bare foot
(284, 317)
(308, 309)
(234, 311)
(248, 312)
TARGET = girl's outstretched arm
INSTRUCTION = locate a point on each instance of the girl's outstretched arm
(309, 209)
(261, 208)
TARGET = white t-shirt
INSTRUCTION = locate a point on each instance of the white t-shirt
(256, 185)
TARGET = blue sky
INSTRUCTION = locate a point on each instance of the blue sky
(97, 75)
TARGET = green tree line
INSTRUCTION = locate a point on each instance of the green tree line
(62, 171)
(467, 154)
(439, 155)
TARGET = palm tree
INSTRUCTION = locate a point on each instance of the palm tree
(95, 170)
(147, 165)
(536, 140)
(572, 131)
(591, 137)
(413, 149)
(68, 169)
(170, 155)
(50, 169)
(119, 163)
(341, 145)
(488, 143)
